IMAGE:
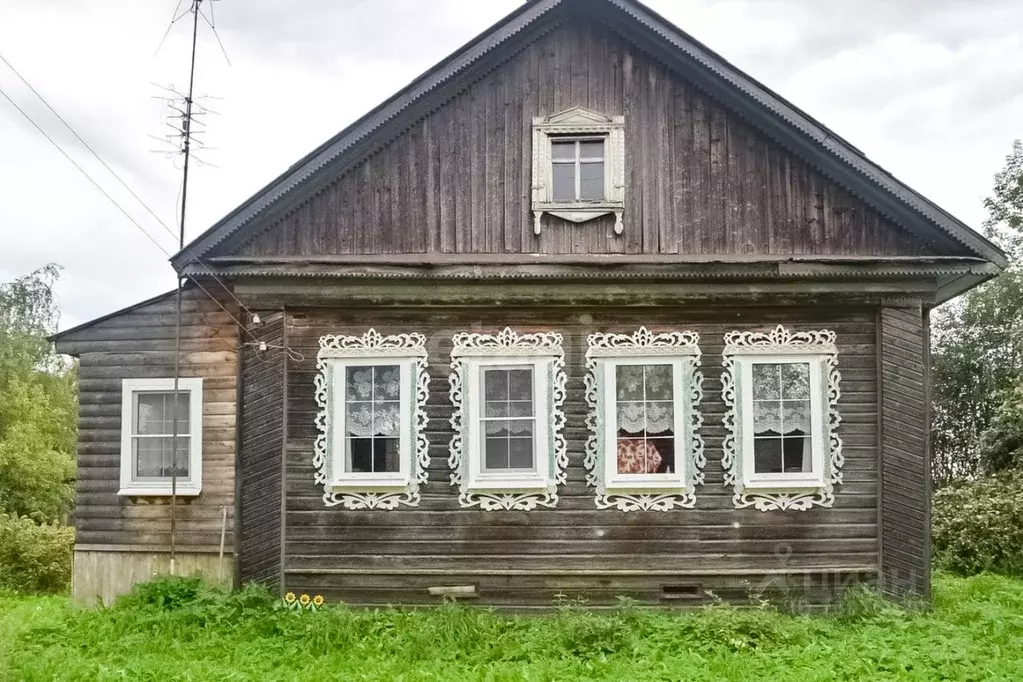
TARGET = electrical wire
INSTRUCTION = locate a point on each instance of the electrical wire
(132, 219)
(187, 251)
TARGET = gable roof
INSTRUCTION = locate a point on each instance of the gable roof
(765, 109)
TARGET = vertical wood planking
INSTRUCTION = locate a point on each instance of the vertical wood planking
(905, 455)
(694, 183)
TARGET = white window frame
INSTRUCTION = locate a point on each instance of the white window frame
(508, 490)
(190, 485)
(578, 160)
(341, 480)
(579, 123)
(783, 490)
(791, 480)
(616, 481)
(644, 492)
(480, 479)
(360, 489)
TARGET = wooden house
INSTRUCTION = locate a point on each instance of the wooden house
(581, 312)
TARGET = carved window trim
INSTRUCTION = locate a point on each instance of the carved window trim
(543, 350)
(682, 349)
(336, 353)
(583, 122)
(781, 345)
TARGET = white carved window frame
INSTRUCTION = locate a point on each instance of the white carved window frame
(190, 485)
(644, 492)
(781, 491)
(358, 490)
(543, 353)
(581, 122)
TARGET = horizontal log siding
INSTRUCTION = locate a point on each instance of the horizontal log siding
(140, 344)
(261, 454)
(699, 180)
(524, 559)
(905, 453)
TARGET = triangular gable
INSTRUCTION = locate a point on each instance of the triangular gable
(778, 119)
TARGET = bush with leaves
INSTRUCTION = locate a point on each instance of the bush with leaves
(978, 526)
(34, 557)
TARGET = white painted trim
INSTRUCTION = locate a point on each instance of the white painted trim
(506, 491)
(190, 485)
(582, 122)
(785, 490)
(363, 490)
(643, 492)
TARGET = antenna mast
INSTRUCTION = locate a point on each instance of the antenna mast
(186, 134)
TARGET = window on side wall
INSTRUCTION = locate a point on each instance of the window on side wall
(577, 168)
(148, 458)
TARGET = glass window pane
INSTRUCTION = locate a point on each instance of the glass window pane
(765, 382)
(563, 176)
(767, 419)
(387, 382)
(153, 457)
(629, 382)
(495, 453)
(795, 380)
(637, 456)
(797, 455)
(795, 417)
(359, 383)
(767, 455)
(359, 419)
(660, 418)
(520, 427)
(591, 149)
(520, 384)
(661, 456)
(495, 408)
(591, 181)
(563, 150)
(659, 382)
(520, 453)
(631, 416)
(520, 408)
(385, 455)
(153, 413)
(359, 455)
(497, 428)
(386, 418)
(495, 384)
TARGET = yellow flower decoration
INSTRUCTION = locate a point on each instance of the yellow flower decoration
(318, 600)
(304, 599)
(290, 597)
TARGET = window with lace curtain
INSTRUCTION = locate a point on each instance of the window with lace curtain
(371, 425)
(644, 428)
(782, 420)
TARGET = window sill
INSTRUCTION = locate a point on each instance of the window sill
(161, 491)
(368, 485)
(580, 212)
(508, 484)
(671, 484)
(783, 484)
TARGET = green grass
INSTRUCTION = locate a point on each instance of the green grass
(170, 632)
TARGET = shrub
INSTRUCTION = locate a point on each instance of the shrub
(978, 526)
(34, 557)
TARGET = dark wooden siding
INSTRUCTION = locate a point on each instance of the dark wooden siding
(140, 344)
(905, 453)
(525, 559)
(699, 180)
(261, 454)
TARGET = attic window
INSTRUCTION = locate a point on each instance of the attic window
(578, 167)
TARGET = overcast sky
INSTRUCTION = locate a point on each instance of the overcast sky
(930, 89)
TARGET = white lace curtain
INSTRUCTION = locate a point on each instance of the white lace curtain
(372, 401)
(645, 398)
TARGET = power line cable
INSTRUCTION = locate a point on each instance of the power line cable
(167, 228)
(131, 218)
